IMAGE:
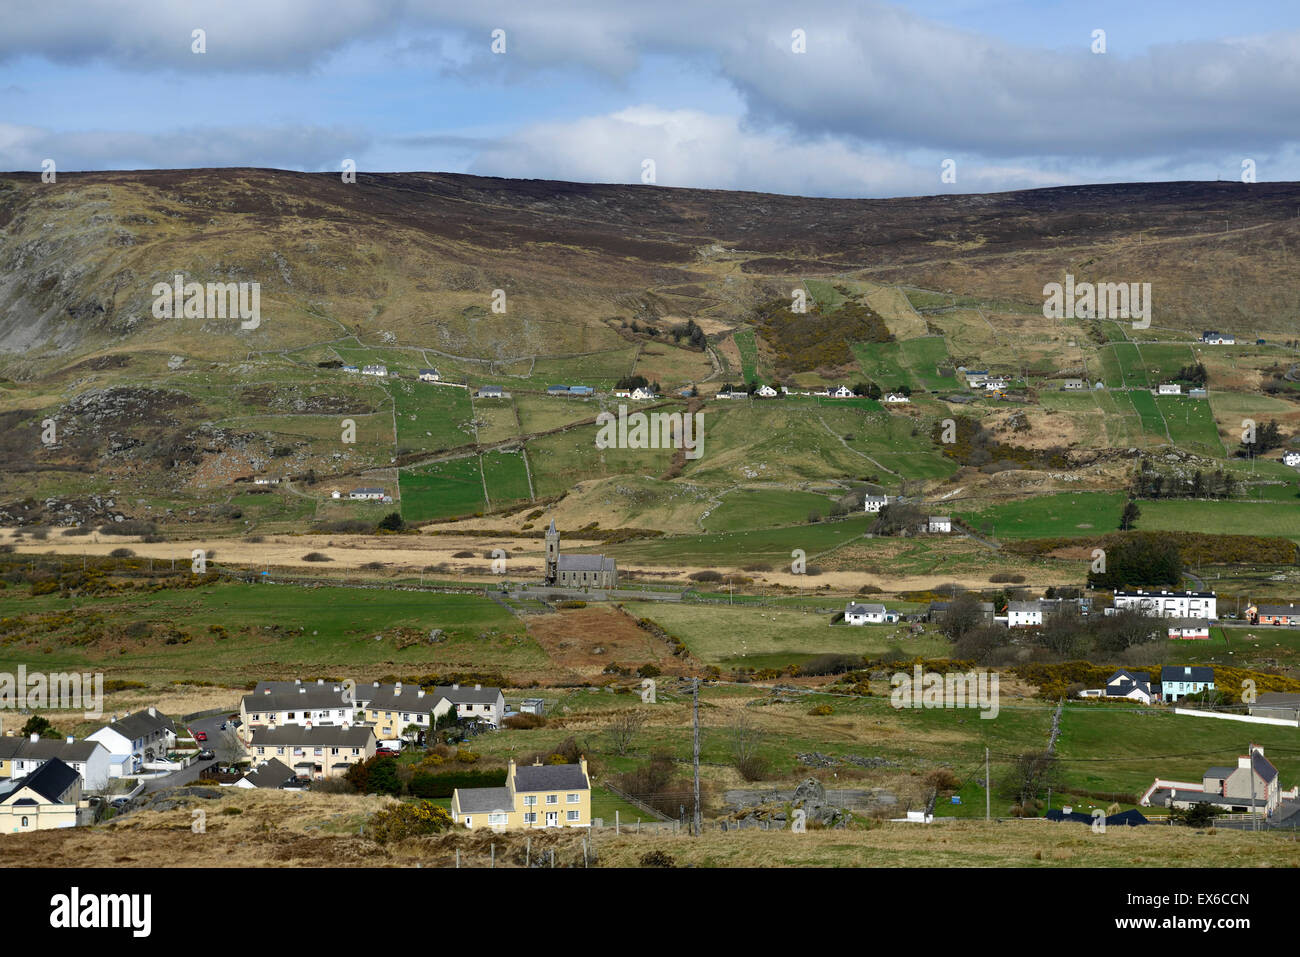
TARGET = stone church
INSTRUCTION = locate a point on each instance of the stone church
(577, 571)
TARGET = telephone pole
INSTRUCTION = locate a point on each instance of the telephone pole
(988, 783)
(695, 694)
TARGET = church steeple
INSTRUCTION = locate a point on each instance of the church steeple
(552, 554)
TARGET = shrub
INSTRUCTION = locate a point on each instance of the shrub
(524, 721)
(821, 710)
(408, 820)
(705, 576)
(121, 553)
(657, 859)
(316, 557)
(232, 811)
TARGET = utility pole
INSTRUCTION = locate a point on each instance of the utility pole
(695, 694)
(987, 784)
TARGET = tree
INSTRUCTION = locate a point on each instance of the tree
(623, 730)
(39, 725)
(747, 740)
(963, 615)
(1198, 815)
(392, 522)
(1031, 774)
(897, 517)
(1128, 518)
(1140, 559)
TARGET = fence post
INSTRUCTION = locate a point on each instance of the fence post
(616, 830)
(494, 856)
(528, 851)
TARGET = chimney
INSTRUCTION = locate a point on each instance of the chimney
(455, 687)
(71, 740)
(420, 693)
(397, 688)
(266, 691)
(301, 690)
(320, 681)
(153, 712)
(297, 681)
(510, 773)
(376, 684)
(35, 737)
(582, 763)
(478, 687)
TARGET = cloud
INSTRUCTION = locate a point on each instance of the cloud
(283, 147)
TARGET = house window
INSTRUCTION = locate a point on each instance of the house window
(469, 821)
(334, 750)
(530, 817)
(552, 799)
(497, 819)
(530, 800)
(24, 822)
(279, 750)
(574, 798)
(573, 815)
(261, 751)
(356, 750)
(292, 714)
(318, 752)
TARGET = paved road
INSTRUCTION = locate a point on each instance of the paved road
(190, 774)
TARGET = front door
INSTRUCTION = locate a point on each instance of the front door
(552, 818)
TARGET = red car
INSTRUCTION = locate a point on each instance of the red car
(200, 736)
(385, 753)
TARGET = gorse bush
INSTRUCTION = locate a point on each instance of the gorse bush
(403, 821)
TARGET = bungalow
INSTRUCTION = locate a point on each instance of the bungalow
(1189, 628)
(489, 392)
(367, 494)
(1292, 459)
(874, 503)
(47, 798)
(870, 614)
(134, 739)
(1285, 615)
(1179, 681)
(1124, 684)
(273, 774)
(1169, 388)
(766, 392)
(995, 384)
(841, 392)
(1197, 392)
(1072, 384)
(323, 751)
(1253, 785)
(1168, 604)
(627, 394)
(429, 375)
(940, 524)
(557, 390)
(90, 759)
(896, 398)
(976, 379)
(583, 390)
(379, 370)
(538, 795)
(643, 394)
(351, 369)
(1212, 338)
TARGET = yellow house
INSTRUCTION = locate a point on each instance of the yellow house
(326, 751)
(537, 795)
(45, 799)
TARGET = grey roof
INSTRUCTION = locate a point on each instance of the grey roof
(1218, 771)
(1024, 606)
(57, 748)
(585, 563)
(1163, 593)
(1285, 699)
(550, 777)
(1263, 766)
(868, 609)
(50, 780)
(1277, 609)
(387, 698)
(484, 800)
(1186, 673)
(141, 723)
(272, 774)
(321, 735)
(466, 694)
(309, 697)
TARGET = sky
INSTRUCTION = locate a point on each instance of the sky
(841, 98)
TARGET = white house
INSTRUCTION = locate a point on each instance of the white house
(136, 738)
(896, 397)
(841, 392)
(1292, 459)
(490, 392)
(1189, 628)
(263, 480)
(874, 503)
(870, 614)
(367, 494)
(1072, 384)
(487, 705)
(1169, 604)
(1211, 338)
(429, 375)
(90, 759)
(940, 523)
(994, 384)
(379, 370)
(627, 394)
(643, 393)
(1024, 614)
(335, 493)
(767, 392)
(1169, 388)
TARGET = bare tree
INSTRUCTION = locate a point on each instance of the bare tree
(624, 729)
(1032, 773)
(747, 740)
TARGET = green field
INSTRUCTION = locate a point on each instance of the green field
(1066, 514)
(442, 490)
(430, 417)
(1231, 517)
(739, 548)
(748, 347)
(1153, 423)
(1191, 423)
(763, 508)
(507, 480)
(274, 631)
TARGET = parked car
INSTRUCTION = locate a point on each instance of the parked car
(206, 755)
(385, 753)
(200, 736)
(119, 802)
